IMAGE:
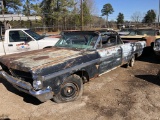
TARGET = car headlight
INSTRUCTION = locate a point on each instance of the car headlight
(37, 82)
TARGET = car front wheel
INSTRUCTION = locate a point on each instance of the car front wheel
(71, 89)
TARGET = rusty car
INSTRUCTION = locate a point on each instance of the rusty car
(148, 35)
(59, 73)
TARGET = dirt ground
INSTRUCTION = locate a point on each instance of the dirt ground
(122, 94)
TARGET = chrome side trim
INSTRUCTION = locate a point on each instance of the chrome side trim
(77, 67)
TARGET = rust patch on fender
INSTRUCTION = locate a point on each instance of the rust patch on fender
(150, 39)
(41, 58)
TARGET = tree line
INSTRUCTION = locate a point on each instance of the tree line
(53, 12)
(149, 17)
(68, 12)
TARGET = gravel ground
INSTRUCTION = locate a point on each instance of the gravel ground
(122, 94)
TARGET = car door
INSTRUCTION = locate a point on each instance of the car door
(110, 55)
(127, 51)
(20, 42)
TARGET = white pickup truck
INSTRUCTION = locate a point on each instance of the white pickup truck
(22, 39)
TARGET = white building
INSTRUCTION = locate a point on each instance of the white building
(12, 17)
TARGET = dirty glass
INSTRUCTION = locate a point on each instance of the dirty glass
(77, 40)
(147, 32)
(34, 35)
(150, 32)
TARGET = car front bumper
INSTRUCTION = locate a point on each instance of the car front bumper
(157, 52)
(42, 95)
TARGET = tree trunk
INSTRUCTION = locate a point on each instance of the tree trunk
(107, 21)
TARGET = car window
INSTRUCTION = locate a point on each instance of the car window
(111, 41)
(14, 36)
(18, 36)
(132, 33)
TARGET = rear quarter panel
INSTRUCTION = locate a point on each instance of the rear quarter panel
(130, 49)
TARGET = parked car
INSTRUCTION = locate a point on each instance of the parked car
(148, 35)
(59, 73)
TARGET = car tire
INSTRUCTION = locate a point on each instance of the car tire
(71, 89)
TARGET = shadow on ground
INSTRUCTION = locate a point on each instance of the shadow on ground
(148, 55)
(27, 98)
(150, 78)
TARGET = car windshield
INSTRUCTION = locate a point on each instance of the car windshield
(78, 40)
(34, 35)
(126, 30)
(133, 32)
(143, 32)
(147, 32)
(104, 32)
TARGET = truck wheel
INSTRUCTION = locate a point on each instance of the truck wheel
(71, 89)
(132, 61)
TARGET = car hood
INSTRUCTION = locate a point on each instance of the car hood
(49, 39)
(32, 60)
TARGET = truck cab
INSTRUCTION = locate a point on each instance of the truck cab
(21, 40)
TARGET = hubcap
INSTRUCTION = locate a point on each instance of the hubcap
(69, 90)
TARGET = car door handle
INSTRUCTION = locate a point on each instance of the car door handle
(10, 44)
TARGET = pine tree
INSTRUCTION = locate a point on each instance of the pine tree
(107, 9)
(150, 17)
(12, 5)
(120, 18)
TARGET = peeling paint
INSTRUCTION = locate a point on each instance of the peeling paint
(57, 63)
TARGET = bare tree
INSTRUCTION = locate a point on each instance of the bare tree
(91, 4)
(136, 17)
(93, 10)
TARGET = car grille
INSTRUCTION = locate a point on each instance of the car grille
(26, 76)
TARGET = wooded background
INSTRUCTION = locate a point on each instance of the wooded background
(72, 14)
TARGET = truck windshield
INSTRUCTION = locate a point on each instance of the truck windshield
(78, 40)
(34, 35)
